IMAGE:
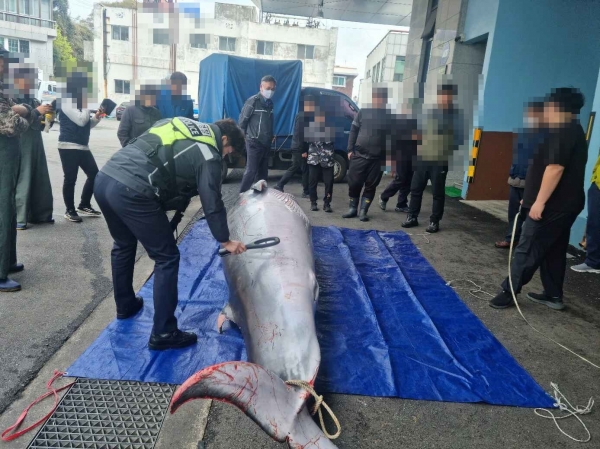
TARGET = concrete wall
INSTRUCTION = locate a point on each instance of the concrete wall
(153, 61)
(40, 43)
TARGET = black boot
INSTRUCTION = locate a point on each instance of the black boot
(353, 209)
(410, 222)
(313, 206)
(364, 208)
(327, 207)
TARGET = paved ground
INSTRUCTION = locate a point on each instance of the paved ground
(68, 276)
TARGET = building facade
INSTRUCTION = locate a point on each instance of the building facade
(142, 46)
(343, 79)
(502, 54)
(385, 64)
(27, 27)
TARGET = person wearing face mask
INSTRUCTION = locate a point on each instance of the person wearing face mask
(157, 172)
(34, 192)
(256, 120)
(14, 121)
(139, 117)
(530, 137)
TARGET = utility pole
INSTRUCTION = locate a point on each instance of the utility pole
(105, 51)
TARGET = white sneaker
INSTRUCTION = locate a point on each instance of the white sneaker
(584, 268)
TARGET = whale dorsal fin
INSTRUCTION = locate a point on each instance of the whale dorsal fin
(260, 186)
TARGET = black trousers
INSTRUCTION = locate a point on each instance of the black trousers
(131, 217)
(437, 175)
(543, 245)
(400, 184)
(298, 163)
(363, 173)
(314, 172)
(71, 161)
(257, 164)
(514, 204)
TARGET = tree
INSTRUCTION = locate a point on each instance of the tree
(82, 31)
(63, 52)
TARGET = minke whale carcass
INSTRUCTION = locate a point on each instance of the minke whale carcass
(273, 296)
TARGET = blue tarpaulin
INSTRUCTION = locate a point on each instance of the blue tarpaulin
(226, 82)
(387, 323)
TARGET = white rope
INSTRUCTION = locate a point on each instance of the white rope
(424, 235)
(478, 288)
(570, 413)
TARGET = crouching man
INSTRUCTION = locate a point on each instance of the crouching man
(157, 172)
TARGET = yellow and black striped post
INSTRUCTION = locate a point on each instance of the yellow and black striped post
(474, 153)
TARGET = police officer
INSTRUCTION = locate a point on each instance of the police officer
(160, 171)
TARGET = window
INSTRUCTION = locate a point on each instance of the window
(24, 47)
(226, 43)
(199, 40)
(381, 73)
(339, 81)
(368, 74)
(122, 87)
(120, 33)
(25, 7)
(13, 45)
(376, 70)
(306, 51)
(46, 15)
(11, 5)
(399, 68)
(264, 48)
(161, 37)
(425, 65)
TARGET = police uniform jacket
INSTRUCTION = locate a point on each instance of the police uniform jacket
(197, 158)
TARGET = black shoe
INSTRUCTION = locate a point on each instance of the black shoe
(172, 340)
(410, 222)
(278, 187)
(403, 209)
(553, 303)
(89, 211)
(364, 208)
(327, 207)
(353, 209)
(305, 195)
(433, 227)
(313, 207)
(48, 221)
(16, 268)
(382, 203)
(72, 215)
(133, 309)
(502, 300)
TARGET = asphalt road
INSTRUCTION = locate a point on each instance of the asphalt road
(68, 274)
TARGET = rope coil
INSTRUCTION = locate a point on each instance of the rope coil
(317, 407)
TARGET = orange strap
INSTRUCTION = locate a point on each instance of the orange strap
(7, 435)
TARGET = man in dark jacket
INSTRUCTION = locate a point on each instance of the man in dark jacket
(299, 147)
(160, 171)
(256, 120)
(139, 117)
(526, 143)
(14, 121)
(369, 145)
(554, 197)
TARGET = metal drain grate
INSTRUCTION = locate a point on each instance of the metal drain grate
(102, 414)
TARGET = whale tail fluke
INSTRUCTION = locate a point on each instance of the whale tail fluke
(278, 408)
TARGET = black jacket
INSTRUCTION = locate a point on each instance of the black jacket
(299, 145)
(136, 120)
(198, 169)
(371, 134)
(256, 120)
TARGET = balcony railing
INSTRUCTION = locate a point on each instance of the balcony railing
(26, 20)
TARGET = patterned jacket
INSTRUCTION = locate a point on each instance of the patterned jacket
(11, 123)
(320, 153)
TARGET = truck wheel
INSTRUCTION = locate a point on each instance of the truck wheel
(224, 171)
(340, 167)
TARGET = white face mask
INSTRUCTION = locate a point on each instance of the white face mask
(530, 122)
(267, 94)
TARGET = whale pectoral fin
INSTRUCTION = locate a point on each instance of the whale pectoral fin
(279, 409)
(225, 315)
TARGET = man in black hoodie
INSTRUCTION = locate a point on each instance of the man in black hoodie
(369, 143)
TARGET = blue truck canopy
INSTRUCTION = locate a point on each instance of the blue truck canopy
(226, 82)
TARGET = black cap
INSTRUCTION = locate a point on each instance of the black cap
(568, 99)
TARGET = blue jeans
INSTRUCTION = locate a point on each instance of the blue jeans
(514, 203)
(592, 238)
(131, 217)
